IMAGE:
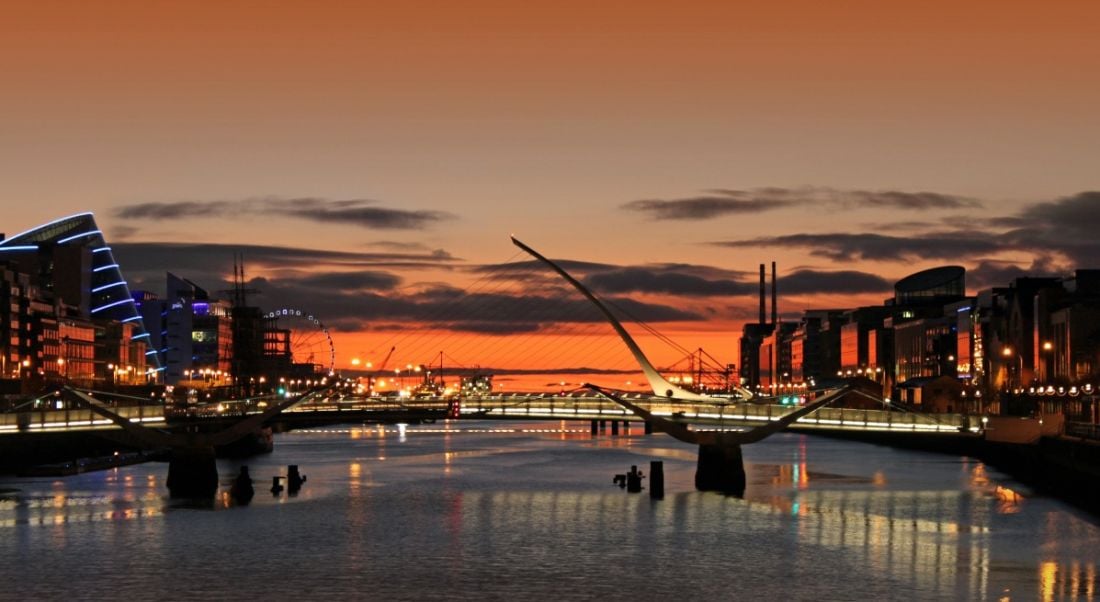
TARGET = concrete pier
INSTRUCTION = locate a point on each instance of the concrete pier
(720, 468)
(192, 473)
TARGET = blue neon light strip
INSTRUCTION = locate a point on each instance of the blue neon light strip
(110, 305)
(153, 352)
(76, 236)
(106, 267)
(132, 319)
(107, 286)
(20, 248)
(101, 249)
(144, 335)
(44, 226)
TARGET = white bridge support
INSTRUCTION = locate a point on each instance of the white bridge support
(660, 385)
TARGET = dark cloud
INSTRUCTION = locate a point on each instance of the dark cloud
(758, 200)
(1066, 226)
(177, 210)
(702, 271)
(120, 233)
(991, 273)
(403, 247)
(672, 278)
(575, 268)
(500, 328)
(349, 281)
(703, 207)
(893, 199)
(911, 225)
(203, 259)
(360, 212)
(1058, 236)
(645, 280)
(881, 247)
(1075, 214)
(812, 282)
(451, 309)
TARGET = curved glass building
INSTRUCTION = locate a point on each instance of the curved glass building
(72, 259)
(931, 284)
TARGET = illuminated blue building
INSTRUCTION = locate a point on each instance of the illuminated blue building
(70, 259)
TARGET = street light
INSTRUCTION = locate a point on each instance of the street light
(1007, 353)
(1046, 364)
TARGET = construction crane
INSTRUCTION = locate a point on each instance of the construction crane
(380, 368)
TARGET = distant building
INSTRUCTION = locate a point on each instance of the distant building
(193, 336)
(63, 290)
(930, 286)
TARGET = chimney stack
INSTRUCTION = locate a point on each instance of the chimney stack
(775, 302)
(763, 296)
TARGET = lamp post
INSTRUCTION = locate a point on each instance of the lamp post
(1047, 349)
(1007, 353)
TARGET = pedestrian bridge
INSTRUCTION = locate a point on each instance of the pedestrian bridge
(332, 409)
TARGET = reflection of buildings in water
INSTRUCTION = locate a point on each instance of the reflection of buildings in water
(940, 542)
(893, 531)
(1008, 501)
(783, 474)
(62, 509)
(978, 476)
(1065, 582)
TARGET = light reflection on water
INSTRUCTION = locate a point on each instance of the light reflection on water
(498, 515)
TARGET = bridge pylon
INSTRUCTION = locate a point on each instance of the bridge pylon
(660, 385)
(720, 465)
(192, 468)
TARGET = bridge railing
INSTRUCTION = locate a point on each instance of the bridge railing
(521, 406)
(716, 412)
(375, 404)
(75, 419)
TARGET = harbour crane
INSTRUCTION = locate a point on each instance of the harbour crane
(380, 368)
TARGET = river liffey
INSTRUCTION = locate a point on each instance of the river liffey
(496, 511)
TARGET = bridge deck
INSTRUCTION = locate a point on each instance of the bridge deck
(510, 406)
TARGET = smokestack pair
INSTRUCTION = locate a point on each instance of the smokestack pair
(775, 303)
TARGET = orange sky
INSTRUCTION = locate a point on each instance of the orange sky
(545, 119)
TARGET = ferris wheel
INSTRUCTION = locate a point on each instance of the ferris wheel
(308, 340)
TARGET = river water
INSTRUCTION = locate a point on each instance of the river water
(501, 511)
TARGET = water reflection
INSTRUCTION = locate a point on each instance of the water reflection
(528, 515)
